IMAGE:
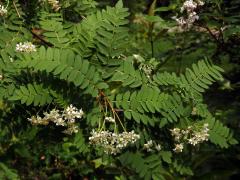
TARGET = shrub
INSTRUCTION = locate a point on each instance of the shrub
(78, 102)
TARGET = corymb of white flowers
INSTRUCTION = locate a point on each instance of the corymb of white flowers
(25, 47)
(190, 7)
(3, 10)
(113, 143)
(193, 135)
(109, 140)
(64, 118)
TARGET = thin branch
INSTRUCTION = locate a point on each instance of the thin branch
(16, 9)
(41, 39)
(150, 33)
(209, 31)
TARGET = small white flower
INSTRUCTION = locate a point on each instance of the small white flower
(3, 10)
(180, 21)
(193, 141)
(158, 147)
(205, 125)
(72, 112)
(176, 132)
(178, 148)
(192, 17)
(110, 119)
(37, 120)
(148, 146)
(151, 145)
(200, 3)
(11, 59)
(189, 6)
(71, 129)
(59, 122)
(194, 111)
(55, 5)
(1, 77)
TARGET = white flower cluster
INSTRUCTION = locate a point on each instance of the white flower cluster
(113, 143)
(190, 7)
(147, 69)
(37, 120)
(71, 112)
(151, 146)
(190, 135)
(55, 5)
(109, 119)
(65, 118)
(25, 47)
(178, 148)
(199, 136)
(3, 10)
(1, 77)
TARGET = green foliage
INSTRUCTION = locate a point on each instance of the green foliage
(220, 134)
(67, 66)
(138, 70)
(103, 31)
(6, 173)
(149, 167)
(150, 100)
(32, 94)
(182, 169)
(195, 80)
(52, 25)
(127, 74)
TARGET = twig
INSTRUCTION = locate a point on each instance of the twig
(112, 109)
(214, 37)
(209, 31)
(16, 9)
(151, 38)
(41, 39)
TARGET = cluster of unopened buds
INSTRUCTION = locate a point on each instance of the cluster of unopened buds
(25, 47)
(191, 135)
(55, 5)
(150, 146)
(112, 143)
(190, 7)
(3, 10)
(66, 118)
